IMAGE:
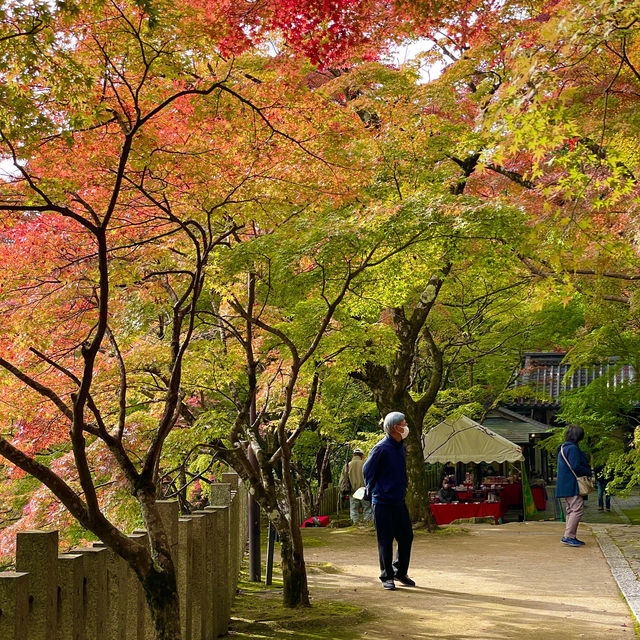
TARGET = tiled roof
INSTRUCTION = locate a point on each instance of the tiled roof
(545, 374)
(513, 426)
(518, 432)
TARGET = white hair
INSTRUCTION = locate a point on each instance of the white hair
(391, 420)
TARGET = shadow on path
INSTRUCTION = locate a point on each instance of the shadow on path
(513, 581)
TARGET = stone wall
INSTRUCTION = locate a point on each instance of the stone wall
(92, 594)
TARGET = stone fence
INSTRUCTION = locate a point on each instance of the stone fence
(92, 594)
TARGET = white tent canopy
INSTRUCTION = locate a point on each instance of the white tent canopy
(465, 440)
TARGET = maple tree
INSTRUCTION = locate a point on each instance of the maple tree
(116, 117)
(519, 118)
(565, 110)
(275, 320)
(205, 231)
(419, 136)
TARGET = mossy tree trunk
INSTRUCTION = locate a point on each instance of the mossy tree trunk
(162, 597)
(294, 572)
(393, 388)
(158, 577)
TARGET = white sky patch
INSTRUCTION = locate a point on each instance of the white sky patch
(405, 53)
(8, 170)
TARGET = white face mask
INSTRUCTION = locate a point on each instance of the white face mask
(405, 432)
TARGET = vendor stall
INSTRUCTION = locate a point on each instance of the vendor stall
(445, 513)
(465, 440)
(512, 494)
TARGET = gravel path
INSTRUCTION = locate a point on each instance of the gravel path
(511, 581)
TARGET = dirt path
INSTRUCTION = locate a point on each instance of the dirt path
(510, 581)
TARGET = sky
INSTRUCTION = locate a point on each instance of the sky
(407, 52)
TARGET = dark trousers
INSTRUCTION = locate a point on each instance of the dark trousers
(392, 522)
(602, 494)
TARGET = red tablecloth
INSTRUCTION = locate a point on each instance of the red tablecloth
(539, 497)
(511, 495)
(446, 513)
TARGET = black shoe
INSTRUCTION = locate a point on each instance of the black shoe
(390, 585)
(406, 580)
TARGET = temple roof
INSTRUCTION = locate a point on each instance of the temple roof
(545, 373)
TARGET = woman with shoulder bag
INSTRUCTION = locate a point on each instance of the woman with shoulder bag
(572, 464)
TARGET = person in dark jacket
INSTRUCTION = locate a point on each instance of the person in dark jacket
(447, 493)
(385, 474)
(567, 485)
(602, 480)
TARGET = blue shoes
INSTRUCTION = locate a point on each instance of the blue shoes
(572, 542)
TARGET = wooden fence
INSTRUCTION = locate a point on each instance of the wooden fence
(329, 504)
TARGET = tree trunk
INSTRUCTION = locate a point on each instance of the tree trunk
(294, 572)
(417, 491)
(279, 504)
(309, 505)
(182, 493)
(324, 473)
(162, 597)
(383, 389)
(159, 577)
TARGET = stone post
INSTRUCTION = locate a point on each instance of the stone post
(71, 604)
(14, 605)
(184, 571)
(208, 559)
(37, 555)
(95, 590)
(118, 594)
(136, 602)
(220, 494)
(198, 583)
(232, 478)
(235, 544)
(170, 512)
(145, 613)
(220, 568)
(244, 508)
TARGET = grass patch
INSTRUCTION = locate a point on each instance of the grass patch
(258, 612)
(452, 531)
(264, 616)
(633, 515)
(340, 522)
(311, 541)
(447, 530)
(257, 588)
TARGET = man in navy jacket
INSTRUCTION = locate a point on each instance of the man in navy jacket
(385, 474)
(567, 484)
